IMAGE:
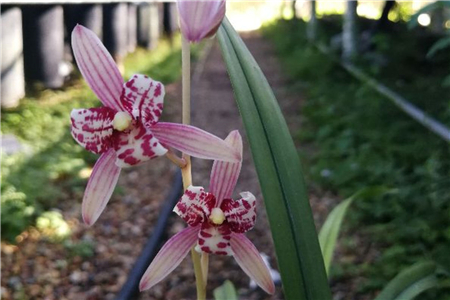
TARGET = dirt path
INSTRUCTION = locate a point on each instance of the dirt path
(39, 269)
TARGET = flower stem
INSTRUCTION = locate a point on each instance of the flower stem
(180, 162)
(199, 282)
(186, 80)
(186, 170)
(186, 103)
(205, 263)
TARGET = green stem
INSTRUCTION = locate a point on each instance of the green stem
(204, 263)
(186, 80)
(186, 170)
(199, 282)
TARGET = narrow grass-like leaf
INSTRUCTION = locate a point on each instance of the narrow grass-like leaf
(225, 292)
(279, 172)
(330, 229)
(410, 282)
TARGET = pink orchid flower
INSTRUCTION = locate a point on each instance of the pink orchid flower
(200, 19)
(216, 225)
(126, 131)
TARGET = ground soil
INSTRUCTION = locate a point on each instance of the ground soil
(36, 268)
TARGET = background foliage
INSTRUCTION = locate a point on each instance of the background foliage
(361, 139)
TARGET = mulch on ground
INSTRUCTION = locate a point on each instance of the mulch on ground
(38, 269)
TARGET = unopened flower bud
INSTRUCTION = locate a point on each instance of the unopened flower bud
(200, 19)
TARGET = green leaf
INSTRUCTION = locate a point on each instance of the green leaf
(225, 292)
(279, 173)
(330, 229)
(438, 46)
(411, 282)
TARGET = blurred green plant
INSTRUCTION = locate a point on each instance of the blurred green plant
(52, 171)
(35, 182)
(360, 139)
(330, 229)
(444, 42)
(402, 11)
(226, 291)
(82, 249)
(411, 282)
(52, 225)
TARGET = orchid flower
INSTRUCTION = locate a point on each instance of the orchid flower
(126, 131)
(200, 19)
(216, 225)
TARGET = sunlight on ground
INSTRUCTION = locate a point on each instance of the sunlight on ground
(251, 15)
(370, 9)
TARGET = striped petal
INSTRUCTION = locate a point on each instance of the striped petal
(200, 19)
(169, 257)
(143, 97)
(224, 175)
(136, 146)
(240, 214)
(100, 187)
(251, 262)
(97, 67)
(194, 141)
(195, 205)
(214, 239)
(92, 128)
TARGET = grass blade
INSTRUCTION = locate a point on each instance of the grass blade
(410, 282)
(279, 172)
(330, 229)
(225, 292)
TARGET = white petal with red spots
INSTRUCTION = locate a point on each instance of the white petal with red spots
(195, 205)
(92, 128)
(143, 98)
(136, 145)
(214, 239)
(240, 214)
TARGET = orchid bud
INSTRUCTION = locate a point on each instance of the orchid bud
(200, 19)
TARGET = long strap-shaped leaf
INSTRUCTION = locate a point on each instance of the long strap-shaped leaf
(279, 172)
(411, 282)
